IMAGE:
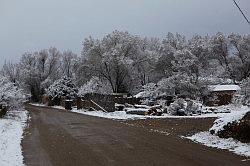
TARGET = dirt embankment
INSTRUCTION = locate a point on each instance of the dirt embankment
(237, 130)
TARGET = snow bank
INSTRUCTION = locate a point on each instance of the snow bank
(58, 107)
(42, 105)
(121, 115)
(38, 104)
(230, 144)
(234, 116)
(11, 131)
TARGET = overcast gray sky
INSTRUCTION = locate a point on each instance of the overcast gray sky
(28, 25)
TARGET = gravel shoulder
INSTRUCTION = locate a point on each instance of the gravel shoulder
(60, 138)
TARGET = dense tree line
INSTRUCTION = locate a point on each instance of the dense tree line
(121, 62)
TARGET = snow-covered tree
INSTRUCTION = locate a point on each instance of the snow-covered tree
(128, 63)
(36, 68)
(63, 87)
(148, 91)
(243, 96)
(116, 54)
(240, 62)
(95, 85)
(179, 84)
(69, 64)
(10, 95)
(11, 71)
(220, 51)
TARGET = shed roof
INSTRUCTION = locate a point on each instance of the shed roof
(218, 88)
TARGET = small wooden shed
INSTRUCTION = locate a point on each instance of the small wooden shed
(221, 94)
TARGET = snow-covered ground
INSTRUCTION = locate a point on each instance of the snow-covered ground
(230, 144)
(11, 131)
(121, 115)
(221, 111)
(42, 105)
(234, 116)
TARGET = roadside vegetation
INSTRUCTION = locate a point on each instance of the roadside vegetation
(169, 77)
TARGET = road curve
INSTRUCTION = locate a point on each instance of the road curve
(60, 138)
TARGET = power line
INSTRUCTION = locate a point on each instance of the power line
(241, 12)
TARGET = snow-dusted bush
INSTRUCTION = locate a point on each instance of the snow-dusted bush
(193, 107)
(179, 84)
(178, 107)
(242, 97)
(148, 91)
(182, 107)
(95, 85)
(165, 87)
(245, 91)
(10, 95)
(62, 88)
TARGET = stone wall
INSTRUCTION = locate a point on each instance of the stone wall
(105, 101)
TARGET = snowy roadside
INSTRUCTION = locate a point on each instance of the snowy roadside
(42, 105)
(230, 144)
(121, 115)
(206, 138)
(234, 116)
(11, 134)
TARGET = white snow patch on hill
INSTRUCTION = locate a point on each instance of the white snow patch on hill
(234, 116)
(230, 144)
(11, 131)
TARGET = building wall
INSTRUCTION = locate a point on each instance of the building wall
(219, 98)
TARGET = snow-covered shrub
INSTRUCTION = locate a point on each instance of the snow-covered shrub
(151, 90)
(94, 85)
(148, 91)
(179, 84)
(10, 95)
(245, 91)
(165, 87)
(184, 85)
(178, 107)
(193, 107)
(182, 107)
(62, 88)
